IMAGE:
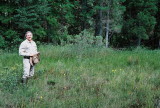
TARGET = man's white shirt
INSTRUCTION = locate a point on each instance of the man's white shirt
(27, 48)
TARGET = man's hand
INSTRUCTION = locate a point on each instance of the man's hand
(31, 55)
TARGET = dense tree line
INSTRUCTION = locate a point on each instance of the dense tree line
(121, 23)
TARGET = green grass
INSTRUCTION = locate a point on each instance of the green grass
(75, 77)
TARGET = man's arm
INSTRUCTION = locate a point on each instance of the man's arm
(36, 46)
(36, 49)
(22, 50)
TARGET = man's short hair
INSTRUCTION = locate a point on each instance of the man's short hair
(28, 32)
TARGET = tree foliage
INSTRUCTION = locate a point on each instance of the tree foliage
(125, 22)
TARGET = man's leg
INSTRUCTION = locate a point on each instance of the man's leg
(31, 71)
(26, 70)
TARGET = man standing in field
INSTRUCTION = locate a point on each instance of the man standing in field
(27, 49)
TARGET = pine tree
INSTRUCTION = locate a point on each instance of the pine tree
(98, 18)
(8, 35)
(139, 19)
(157, 27)
(31, 15)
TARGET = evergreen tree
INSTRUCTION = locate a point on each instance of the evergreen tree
(8, 36)
(61, 19)
(98, 18)
(31, 15)
(157, 27)
(139, 19)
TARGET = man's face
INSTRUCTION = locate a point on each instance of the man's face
(29, 36)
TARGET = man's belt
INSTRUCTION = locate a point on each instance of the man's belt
(26, 57)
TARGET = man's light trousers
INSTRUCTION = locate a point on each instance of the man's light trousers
(28, 69)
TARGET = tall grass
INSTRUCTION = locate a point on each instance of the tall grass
(88, 77)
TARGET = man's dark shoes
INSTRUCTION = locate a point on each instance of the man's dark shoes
(24, 80)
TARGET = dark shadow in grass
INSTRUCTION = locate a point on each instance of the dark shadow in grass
(52, 83)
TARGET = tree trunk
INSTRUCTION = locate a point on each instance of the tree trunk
(159, 44)
(84, 9)
(107, 26)
(139, 42)
(98, 28)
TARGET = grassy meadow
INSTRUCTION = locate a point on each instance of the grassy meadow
(77, 77)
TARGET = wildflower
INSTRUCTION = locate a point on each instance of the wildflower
(114, 70)
(41, 97)
(13, 68)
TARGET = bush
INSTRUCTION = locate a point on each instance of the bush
(99, 41)
(85, 39)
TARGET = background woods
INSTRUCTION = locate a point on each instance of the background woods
(120, 23)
